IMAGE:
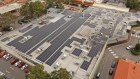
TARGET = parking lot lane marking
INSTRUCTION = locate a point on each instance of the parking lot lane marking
(7, 71)
(12, 68)
(110, 50)
(114, 54)
(116, 57)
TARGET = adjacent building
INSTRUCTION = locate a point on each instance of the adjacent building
(127, 69)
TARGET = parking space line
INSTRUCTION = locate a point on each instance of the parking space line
(7, 71)
(12, 68)
(110, 50)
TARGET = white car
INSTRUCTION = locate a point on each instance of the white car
(69, 16)
(17, 63)
(1, 73)
(129, 47)
(8, 56)
(24, 66)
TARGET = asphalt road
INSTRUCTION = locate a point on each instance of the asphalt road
(119, 50)
(11, 71)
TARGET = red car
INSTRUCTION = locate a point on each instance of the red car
(27, 69)
(21, 64)
(111, 70)
(14, 60)
(2, 54)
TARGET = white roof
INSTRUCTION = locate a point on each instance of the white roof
(9, 7)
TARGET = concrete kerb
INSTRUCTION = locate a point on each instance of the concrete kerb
(93, 73)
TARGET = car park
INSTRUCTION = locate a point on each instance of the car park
(21, 64)
(98, 75)
(24, 66)
(14, 60)
(111, 70)
(17, 63)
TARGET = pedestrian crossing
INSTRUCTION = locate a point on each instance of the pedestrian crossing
(112, 52)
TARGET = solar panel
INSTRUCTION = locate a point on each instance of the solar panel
(77, 52)
(85, 65)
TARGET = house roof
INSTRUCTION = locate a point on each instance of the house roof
(7, 1)
(9, 7)
(127, 69)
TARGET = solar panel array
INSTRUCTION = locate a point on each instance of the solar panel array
(77, 52)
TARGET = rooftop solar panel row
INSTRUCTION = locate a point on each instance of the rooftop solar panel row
(77, 52)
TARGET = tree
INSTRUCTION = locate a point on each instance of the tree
(7, 19)
(133, 4)
(49, 3)
(38, 8)
(136, 50)
(137, 47)
(26, 10)
(32, 9)
(37, 72)
(1, 77)
(60, 74)
(67, 1)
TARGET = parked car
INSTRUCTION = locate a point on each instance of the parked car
(98, 75)
(14, 60)
(2, 54)
(111, 70)
(27, 69)
(2, 74)
(17, 63)
(5, 77)
(8, 57)
(21, 64)
(69, 16)
(129, 47)
(133, 31)
(113, 65)
(24, 66)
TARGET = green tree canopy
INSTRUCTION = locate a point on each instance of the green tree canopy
(60, 74)
(7, 19)
(37, 72)
(1, 77)
(137, 47)
(32, 9)
(133, 4)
